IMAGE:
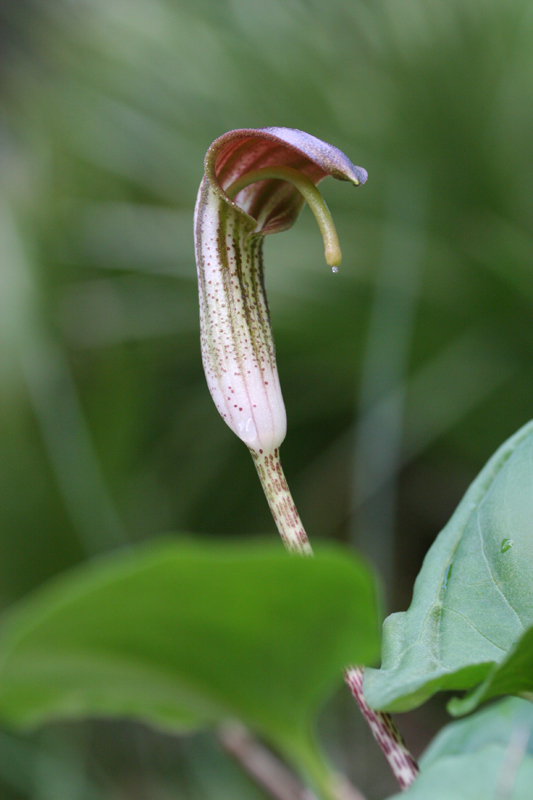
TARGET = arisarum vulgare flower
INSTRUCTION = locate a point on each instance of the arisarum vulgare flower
(256, 182)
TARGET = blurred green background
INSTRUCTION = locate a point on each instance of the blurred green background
(401, 374)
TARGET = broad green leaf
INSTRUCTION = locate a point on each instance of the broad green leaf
(475, 776)
(494, 725)
(473, 598)
(180, 635)
(513, 676)
(485, 757)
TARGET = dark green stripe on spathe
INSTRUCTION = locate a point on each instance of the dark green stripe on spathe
(259, 298)
(226, 211)
(206, 332)
(249, 268)
(237, 244)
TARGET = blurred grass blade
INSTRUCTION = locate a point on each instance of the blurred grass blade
(70, 449)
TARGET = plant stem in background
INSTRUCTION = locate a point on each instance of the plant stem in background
(261, 764)
(268, 771)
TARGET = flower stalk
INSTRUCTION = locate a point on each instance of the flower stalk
(280, 501)
(385, 732)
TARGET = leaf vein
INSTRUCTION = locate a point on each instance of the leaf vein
(469, 622)
(496, 584)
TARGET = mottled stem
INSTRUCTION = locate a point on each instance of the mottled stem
(385, 732)
(289, 524)
(281, 503)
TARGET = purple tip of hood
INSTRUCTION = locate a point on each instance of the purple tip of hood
(272, 206)
(240, 151)
(326, 155)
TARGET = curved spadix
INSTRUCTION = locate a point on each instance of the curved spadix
(237, 345)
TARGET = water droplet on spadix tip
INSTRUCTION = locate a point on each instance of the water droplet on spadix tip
(334, 269)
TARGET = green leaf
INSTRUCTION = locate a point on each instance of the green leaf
(474, 776)
(494, 725)
(513, 676)
(473, 598)
(488, 755)
(180, 635)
